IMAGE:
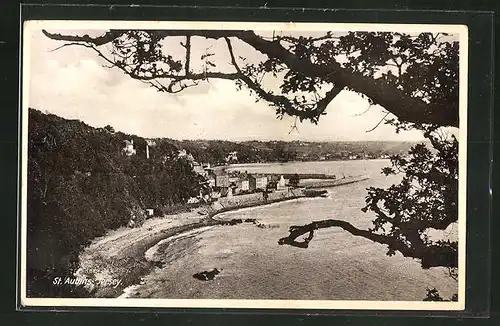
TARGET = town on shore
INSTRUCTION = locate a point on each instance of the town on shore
(217, 181)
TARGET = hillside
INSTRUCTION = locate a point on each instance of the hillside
(81, 184)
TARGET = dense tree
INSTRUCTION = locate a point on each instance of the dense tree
(109, 128)
(80, 185)
(283, 152)
(413, 77)
(294, 181)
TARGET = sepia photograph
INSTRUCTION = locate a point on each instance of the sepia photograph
(243, 165)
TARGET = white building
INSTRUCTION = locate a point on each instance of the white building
(211, 181)
(281, 183)
(129, 148)
(193, 200)
(198, 168)
(245, 185)
(149, 143)
(232, 157)
(261, 182)
(185, 155)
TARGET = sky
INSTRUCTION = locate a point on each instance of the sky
(72, 82)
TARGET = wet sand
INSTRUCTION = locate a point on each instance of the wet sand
(336, 266)
(120, 255)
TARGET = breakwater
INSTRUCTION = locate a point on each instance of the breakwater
(256, 199)
(304, 175)
(327, 183)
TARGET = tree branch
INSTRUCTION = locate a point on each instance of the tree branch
(293, 40)
(405, 107)
(378, 124)
(175, 77)
(430, 256)
(100, 40)
(394, 100)
(280, 100)
(188, 54)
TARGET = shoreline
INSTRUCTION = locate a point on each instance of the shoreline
(120, 254)
(249, 164)
(129, 264)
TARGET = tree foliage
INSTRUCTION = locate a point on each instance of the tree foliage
(294, 181)
(426, 198)
(415, 77)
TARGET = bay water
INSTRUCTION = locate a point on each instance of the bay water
(336, 266)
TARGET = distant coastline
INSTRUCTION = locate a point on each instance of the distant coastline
(238, 165)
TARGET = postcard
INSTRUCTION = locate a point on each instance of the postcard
(243, 165)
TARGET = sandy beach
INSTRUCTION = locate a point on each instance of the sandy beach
(119, 257)
(120, 254)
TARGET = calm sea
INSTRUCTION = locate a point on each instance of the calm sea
(336, 266)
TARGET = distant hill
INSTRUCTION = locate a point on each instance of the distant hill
(217, 151)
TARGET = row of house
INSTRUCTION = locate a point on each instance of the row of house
(343, 155)
(223, 183)
(237, 183)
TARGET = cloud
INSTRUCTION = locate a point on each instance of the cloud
(72, 83)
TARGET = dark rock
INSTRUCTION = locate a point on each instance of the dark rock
(234, 221)
(207, 275)
(315, 193)
(158, 264)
